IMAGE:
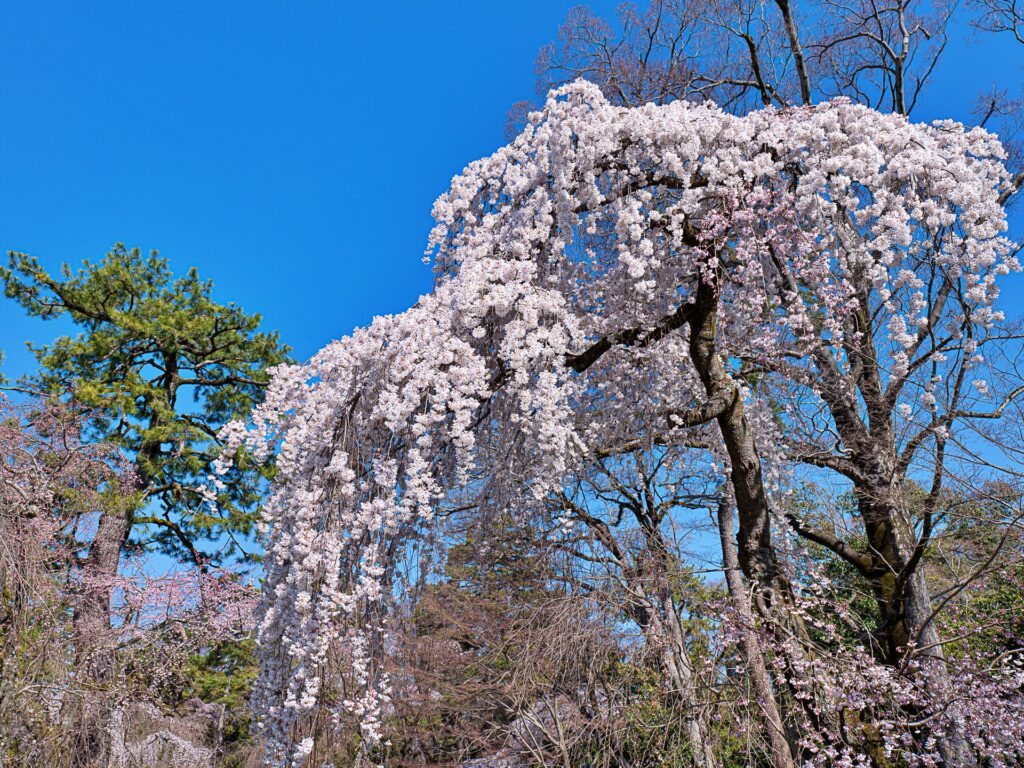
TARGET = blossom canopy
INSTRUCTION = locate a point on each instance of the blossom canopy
(570, 266)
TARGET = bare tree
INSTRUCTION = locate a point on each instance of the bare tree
(742, 54)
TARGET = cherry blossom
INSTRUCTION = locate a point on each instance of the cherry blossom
(567, 265)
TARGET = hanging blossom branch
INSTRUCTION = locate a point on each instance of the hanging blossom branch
(567, 264)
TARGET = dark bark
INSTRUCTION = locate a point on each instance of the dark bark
(749, 644)
(892, 564)
(756, 554)
(796, 48)
(751, 553)
(905, 604)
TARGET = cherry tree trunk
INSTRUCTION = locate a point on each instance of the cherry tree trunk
(750, 645)
(751, 553)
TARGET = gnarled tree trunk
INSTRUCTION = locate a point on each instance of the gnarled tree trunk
(751, 553)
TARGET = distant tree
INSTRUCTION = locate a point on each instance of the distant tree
(497, 652)
(160, 366)
(1006, 16)
(629, 515)
(223, 673)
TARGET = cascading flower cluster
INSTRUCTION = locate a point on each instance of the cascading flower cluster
(389, 423)
(563, 261)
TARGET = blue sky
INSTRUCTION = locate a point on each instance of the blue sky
(290, 150)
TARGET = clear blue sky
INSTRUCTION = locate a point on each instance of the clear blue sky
(290, 150)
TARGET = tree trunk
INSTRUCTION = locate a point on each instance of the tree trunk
(663, 631)
(95, 645)
(905, 604)
(750, 645)
(680, 672)
(756, 554)
(751, 554)
(895, 574)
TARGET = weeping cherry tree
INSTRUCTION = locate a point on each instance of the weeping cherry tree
(815, 288)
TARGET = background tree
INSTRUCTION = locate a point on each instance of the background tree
(498, 633)
(160, 366)
(631, 551)
(744, 54)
